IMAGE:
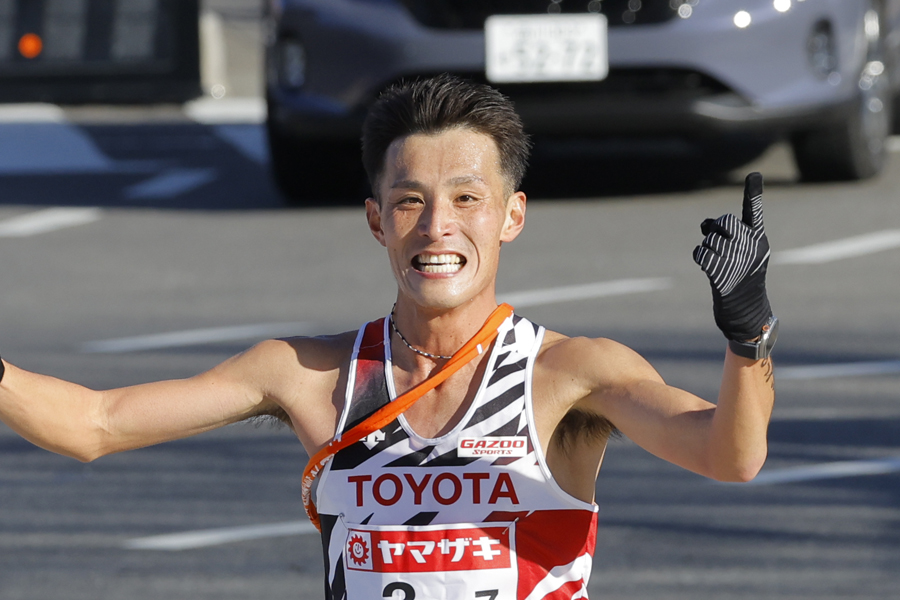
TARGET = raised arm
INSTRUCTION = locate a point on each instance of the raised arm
(735, 255)
(73, 420)
(726, 440)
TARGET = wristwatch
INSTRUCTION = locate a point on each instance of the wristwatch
(760, 348)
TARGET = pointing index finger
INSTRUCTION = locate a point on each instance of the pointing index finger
(752, 213)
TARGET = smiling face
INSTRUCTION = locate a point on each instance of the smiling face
(442, 212)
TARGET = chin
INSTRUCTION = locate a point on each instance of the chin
(435, 295)
(443, 302)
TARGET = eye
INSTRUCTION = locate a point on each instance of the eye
(467, 198)
(408, 200)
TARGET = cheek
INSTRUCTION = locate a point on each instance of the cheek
(395, 230)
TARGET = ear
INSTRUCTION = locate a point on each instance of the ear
(515, 217)
(373, 216)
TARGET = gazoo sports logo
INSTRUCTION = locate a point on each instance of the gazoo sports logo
(513, 445)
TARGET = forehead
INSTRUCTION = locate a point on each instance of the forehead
(441, 157)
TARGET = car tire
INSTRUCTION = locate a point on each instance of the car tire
(312, 172)
(856, 147)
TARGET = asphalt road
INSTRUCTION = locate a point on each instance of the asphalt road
(172, 226)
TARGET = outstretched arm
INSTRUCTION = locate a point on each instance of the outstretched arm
(85, 424)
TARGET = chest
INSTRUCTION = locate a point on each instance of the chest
(455, 442)
(440, 410)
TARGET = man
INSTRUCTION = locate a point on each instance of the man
(478, 481)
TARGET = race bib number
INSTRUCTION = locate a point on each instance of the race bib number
(431, 562)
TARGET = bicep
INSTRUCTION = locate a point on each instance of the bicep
(666, 421)
(151, 413)
(146, 414)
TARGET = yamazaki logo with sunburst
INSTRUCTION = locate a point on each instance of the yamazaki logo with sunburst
(428, 551)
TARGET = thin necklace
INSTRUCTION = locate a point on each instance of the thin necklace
(410, 346)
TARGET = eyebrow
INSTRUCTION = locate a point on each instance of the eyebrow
(467, 179)
(411, 184)
(408, 184)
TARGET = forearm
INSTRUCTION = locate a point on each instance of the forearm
(737, 440)
(59, 416)
(734, 255)
(75, 421)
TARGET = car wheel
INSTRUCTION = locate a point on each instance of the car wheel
(310, 172)
(854, 148)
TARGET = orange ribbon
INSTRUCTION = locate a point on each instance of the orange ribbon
(387, 413)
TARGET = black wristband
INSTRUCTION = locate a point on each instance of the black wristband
(2, 369)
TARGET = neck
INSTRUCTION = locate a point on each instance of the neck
(437, 331)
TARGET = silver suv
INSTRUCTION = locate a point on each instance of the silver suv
(713, 74)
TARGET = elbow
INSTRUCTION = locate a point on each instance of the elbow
(94, 439)
(741, 470)
(90, 441)
(742, 475)
(85, 456)
(84, 453)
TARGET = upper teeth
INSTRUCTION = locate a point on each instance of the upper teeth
(439, 259)
(439, 263)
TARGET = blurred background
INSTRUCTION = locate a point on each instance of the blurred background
(181, 179)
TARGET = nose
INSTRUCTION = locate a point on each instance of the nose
(437, 220)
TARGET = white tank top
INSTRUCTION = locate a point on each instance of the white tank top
(472, 514)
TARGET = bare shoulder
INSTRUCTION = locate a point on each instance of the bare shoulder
(300, 381)
(292, 359)
(311, 363)
(574, 367)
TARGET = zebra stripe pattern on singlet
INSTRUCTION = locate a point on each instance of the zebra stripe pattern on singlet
(501, 414)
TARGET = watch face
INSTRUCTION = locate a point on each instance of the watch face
(769, 335)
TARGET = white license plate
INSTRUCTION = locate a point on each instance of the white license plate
(533, 48)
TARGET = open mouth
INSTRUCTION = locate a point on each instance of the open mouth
(438, 263)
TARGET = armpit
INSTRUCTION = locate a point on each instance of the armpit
(580, 426)
(275, 416)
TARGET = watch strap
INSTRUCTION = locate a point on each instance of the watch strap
(749, 350)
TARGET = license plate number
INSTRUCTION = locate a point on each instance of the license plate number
(535, 48)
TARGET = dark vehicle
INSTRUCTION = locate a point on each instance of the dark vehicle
(716, 75)
(104, 51)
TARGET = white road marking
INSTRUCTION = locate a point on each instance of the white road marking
(49, 219)
(215, 537)
(833, 470)
(171, 183)
(197, 337)
(210, 111)
(601, 289)
(825, 371)
(49, 148)
(249, 140)
(31, 113)
(839, 249)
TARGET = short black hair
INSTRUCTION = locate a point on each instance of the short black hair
(436, 104)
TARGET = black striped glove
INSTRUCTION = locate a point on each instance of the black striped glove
(734, 255)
